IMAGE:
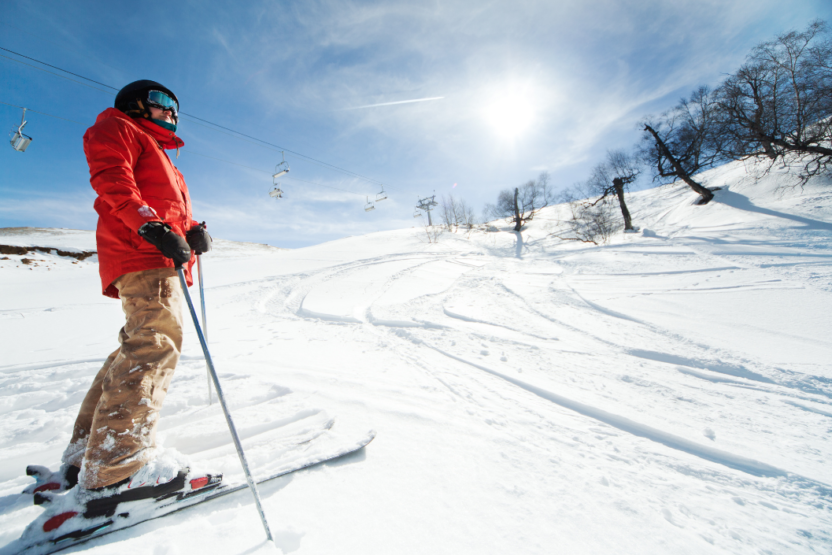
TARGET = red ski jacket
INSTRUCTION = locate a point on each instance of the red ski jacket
(136, 183)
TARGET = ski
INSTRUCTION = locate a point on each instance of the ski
(161, 507)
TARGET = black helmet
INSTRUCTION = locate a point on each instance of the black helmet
(133, 98)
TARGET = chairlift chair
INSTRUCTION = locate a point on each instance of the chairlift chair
(282, 168)
(382, 195)
(369, 206)
(417, 214)
(19, 140)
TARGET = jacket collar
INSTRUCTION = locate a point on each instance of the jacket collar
(167, 139)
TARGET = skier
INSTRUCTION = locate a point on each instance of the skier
(145, 230)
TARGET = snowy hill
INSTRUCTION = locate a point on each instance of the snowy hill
(669, 392)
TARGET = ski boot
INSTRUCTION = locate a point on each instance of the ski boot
(153, 491)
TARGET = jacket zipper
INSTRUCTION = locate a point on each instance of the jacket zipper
(175, 172)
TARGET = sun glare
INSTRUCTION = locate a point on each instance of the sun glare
(510, 113)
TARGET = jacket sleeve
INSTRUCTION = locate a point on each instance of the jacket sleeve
(112, 150)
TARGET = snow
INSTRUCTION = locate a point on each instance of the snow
(668, 392)
(72, 240)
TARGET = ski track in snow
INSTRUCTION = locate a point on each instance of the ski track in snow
(721, 457)
(668, 392)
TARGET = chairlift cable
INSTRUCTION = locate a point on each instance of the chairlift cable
(229, 134)
(322, 185)
(286, 149)
(191, 151)
(309, 158)
(270, 146)
(244, 166)
(59, 69)
(55, 74)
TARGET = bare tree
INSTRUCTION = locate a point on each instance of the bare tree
(449, 212)
(456, 213)
(432, 232)
(545, 189)
(521, 204)
(588, 221)
(612, 177)
(780, 102)
(683, 141)
(577, 191)
(592, 222)
(467, 218)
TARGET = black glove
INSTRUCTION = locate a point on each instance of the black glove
(198, 239)
(172, 245)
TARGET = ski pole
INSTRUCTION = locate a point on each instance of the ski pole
(251, 483)
(204, 321)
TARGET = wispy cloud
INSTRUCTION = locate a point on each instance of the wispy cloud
(395, 103)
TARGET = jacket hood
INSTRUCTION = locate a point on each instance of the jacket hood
(167, 139)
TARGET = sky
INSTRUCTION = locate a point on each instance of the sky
(420, 98)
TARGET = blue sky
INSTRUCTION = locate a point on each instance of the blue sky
(506, 90)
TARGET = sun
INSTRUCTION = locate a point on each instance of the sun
(510, 112)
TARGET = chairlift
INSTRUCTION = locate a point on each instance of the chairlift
(19, 140)
(282, 168)
(382, 195)
(369, 206)
(417, 214)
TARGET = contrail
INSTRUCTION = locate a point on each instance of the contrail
(398, 102)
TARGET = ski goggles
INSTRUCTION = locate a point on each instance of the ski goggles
(160, 100)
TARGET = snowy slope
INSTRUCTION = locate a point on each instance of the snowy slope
(669, 392)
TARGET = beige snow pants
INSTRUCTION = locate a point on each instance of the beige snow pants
(115, 431)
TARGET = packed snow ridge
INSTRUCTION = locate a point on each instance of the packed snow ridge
(667, 392)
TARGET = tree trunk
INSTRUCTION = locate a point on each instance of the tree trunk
(518, 222)
(768, 149)
(618, 183)
(757, 128)
(678, 170)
